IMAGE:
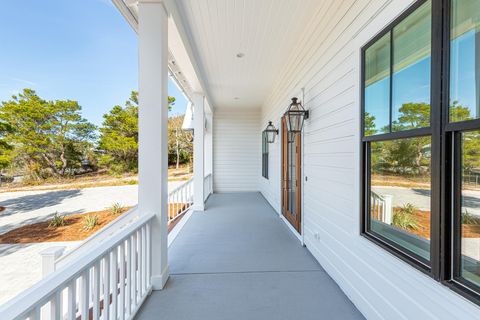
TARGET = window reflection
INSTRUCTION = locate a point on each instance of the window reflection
(400, 192)
(464, 60)
(377, 87)
(411, 71)
(470, 219)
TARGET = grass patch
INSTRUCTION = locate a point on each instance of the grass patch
(57, 221)
(404, 217)
(116, 208)
(468, 218)
(90, 222)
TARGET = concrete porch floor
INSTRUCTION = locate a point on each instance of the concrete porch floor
(238, 260)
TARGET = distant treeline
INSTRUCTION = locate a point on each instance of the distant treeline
(41, 138)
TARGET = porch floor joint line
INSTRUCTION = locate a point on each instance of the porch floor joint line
(245, 272)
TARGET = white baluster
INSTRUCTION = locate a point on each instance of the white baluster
(144, 284)
(148, 254)
(96, 290)
(72, 300)
(84, 298)
(34, 314)
(121, 302)
(114, 277)
(128, 273)
(134, 269)
(106, 287)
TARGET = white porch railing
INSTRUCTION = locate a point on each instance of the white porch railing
(381, 207)
(110, 282)
(207, 186)
(179, 200)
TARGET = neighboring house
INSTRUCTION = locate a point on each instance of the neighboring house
(376, 78)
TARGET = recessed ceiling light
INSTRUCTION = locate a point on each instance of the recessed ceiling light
(240, 55)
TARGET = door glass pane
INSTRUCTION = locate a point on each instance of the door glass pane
(470, 236)
(464, 60)
(411, 70)
(377, 87)
(292, 173)
(400, 192)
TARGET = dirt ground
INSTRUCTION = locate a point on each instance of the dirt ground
(73, 230)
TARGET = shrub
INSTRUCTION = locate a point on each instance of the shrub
(90, 222)
(404, 217)
(116, 208)
(57, 221)
(468, 218)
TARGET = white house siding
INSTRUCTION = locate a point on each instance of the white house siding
(326, 63)
(236, 161)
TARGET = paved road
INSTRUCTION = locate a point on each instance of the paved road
(421, 197)
(25, 207)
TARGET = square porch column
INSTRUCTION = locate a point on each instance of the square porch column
(152, 130)
(198, 150)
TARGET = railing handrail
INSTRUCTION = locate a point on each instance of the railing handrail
(40, 293)
(101, 235)
(180, 186)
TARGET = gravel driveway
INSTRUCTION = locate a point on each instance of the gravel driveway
(25, 207)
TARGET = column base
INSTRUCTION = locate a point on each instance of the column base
(198, 207)
(159, 281)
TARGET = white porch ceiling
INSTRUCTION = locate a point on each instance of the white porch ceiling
(264, 31)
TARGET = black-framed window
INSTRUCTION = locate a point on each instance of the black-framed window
(462, 63)
(397, 134)
(421, 141)
(264, 155)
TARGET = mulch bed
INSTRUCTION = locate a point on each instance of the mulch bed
(73, 230)
(423, 221)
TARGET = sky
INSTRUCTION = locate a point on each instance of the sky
(412, 84)
(81, 50)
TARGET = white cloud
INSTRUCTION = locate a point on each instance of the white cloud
(30, 83)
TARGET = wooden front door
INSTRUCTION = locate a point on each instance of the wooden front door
(291, 175)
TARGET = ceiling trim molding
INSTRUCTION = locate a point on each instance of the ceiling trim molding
(127, 13)
(187, 39)
(126, 9)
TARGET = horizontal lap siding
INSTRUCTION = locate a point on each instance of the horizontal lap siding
(326, 64)
(236, 161)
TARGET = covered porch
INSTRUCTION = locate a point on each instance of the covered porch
(238, 260)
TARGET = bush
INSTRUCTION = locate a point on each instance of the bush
(404, 217)
(116, 208)
(468, 218)
(90, 222)
(57, 221)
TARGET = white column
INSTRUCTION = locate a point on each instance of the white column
(152, 130)
(198, 150)
(209, 144)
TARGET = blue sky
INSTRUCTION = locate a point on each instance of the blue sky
(81, 50)
(412, 84)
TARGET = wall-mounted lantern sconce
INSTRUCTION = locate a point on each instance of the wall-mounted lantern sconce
(296, 115)
(271, 132)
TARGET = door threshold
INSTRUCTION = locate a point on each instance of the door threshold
(291, 228)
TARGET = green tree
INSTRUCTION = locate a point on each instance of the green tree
(47, 137)
(414, 115)
(119, 136)
(369, 124)
(180, 142)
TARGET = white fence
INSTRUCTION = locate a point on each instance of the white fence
(110, 282)
(381, 207)
(180, 199)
